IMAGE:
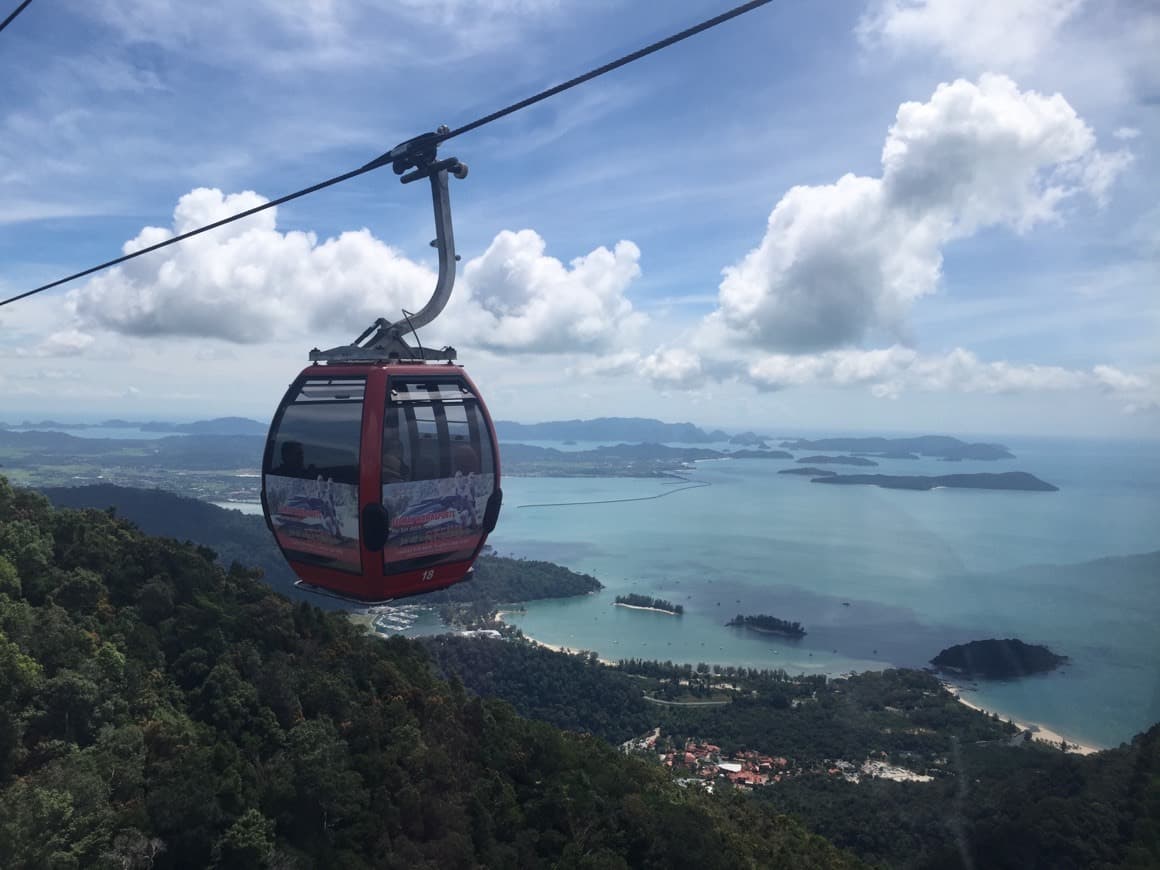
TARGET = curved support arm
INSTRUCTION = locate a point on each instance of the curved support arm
(383, 340)
(445, 244)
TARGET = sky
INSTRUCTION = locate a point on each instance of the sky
(881, 215)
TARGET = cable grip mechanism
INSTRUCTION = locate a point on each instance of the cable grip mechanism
(383, 340)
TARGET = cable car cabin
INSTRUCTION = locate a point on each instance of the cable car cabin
(381, 480)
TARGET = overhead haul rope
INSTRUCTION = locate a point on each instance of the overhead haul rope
(392, 156)
(15, 12)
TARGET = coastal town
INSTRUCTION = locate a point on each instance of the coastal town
(703, 764)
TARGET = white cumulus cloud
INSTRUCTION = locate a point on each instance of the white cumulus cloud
(1100, 52)
(1004, 34)
(249, 282)
(518, 299)
(839, 261)
(891, 371)
(886, 373)
(673, 367)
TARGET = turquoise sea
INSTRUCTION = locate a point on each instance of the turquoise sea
(878, 577)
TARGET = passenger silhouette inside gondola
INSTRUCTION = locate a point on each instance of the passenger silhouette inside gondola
(466, 461)
(394, 468)
(466, 484)
(293, 461)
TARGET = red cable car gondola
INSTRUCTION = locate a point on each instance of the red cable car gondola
(381, 473)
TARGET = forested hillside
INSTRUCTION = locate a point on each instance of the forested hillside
(158, 711)
(244, 538)
(234, 536)
(995, 801)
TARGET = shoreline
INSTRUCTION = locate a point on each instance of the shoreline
(641, 607)
(554, 647)
(1039, 732)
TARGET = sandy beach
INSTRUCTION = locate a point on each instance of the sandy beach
(563, 649)
(639, 607)
(554, 647)
(1038, 732)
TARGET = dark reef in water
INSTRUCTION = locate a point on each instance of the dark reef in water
(759, 454)
(997, 659)
(838, 460)
(809, 471)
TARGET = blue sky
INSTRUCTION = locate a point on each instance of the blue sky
(964, 237)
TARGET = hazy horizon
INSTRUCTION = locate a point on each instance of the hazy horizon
(771, 431)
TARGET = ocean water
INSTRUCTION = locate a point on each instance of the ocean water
(878, 577)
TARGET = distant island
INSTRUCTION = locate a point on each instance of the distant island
(616, 460)
(219, 460)
(608, 429)
(809, 471)
(216, 426)
(748, 439)
(768, 624)
(838, 460)
(997, 659)
(643, 602)
(1012, 480)
(941, 446)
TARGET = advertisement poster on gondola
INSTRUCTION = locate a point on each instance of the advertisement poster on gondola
(435, 516)
(318, 517)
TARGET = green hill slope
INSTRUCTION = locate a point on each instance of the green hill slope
(158, 711)
(244, 538)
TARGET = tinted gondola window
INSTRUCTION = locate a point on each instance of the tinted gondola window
(438, 472)
(320, 432)
(312, 473)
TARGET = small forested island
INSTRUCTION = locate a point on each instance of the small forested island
(643, 602)
(997, 659)
(608, 429)
(1014, 480)
(808, 471)
(768, 624)
(838, 460)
